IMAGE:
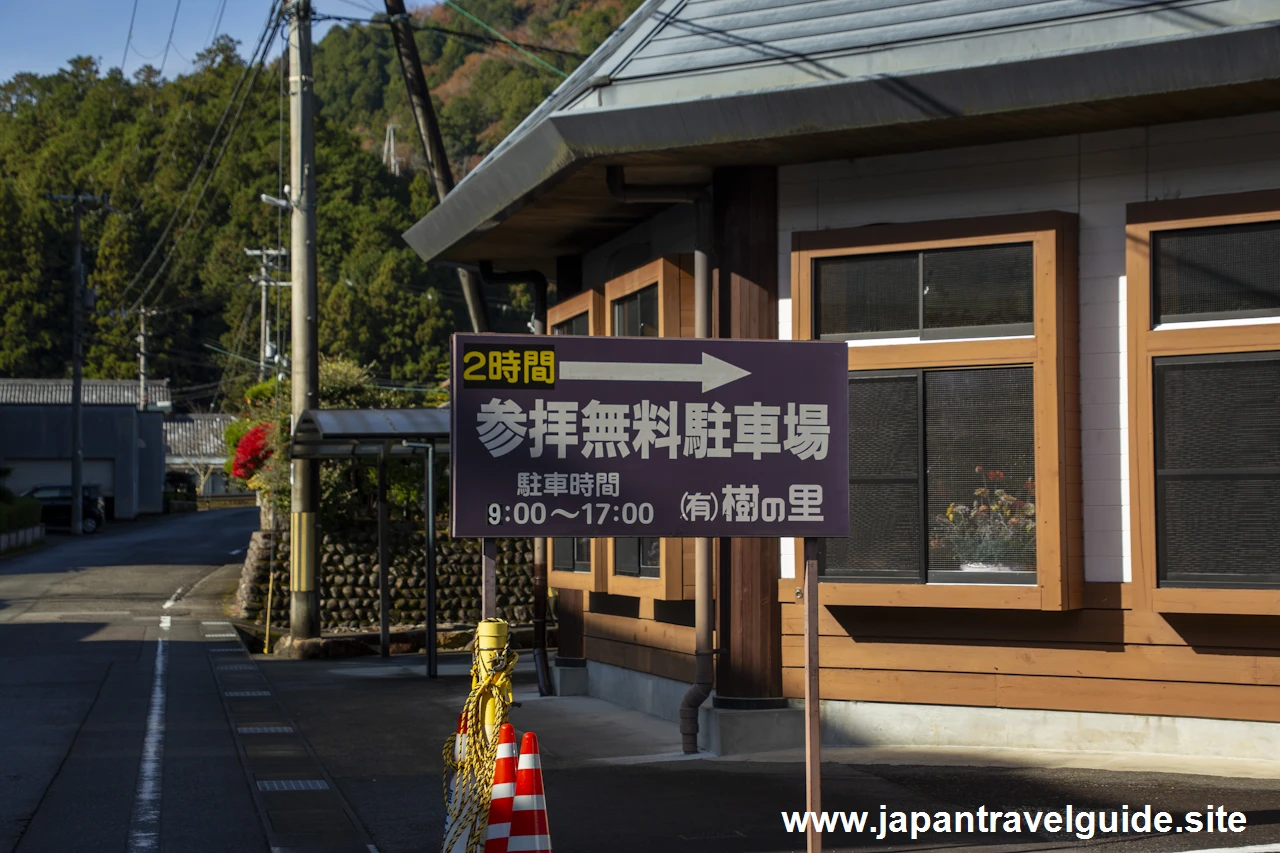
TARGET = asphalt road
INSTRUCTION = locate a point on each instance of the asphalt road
(79, 622)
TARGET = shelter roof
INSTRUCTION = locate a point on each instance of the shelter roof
(340, 433)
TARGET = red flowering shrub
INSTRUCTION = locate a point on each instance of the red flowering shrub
(251, 452)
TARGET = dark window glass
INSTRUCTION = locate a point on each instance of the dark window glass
(977, 287)
(868, 295)
(967, 506)
(1212, 273)
(973, 291)
(980, 458)
(636, 316)
(884, 482)
(1217, 448)
(637, 557)
(571, 555)
(577, 325)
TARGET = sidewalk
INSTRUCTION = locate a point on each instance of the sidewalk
(616, 780)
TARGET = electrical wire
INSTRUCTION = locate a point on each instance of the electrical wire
(493, 30)
(173, 26)
(254, 65)
(129, 39)
(461, 34)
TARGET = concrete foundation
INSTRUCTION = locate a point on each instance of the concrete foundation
(569, 680)
(889, 724)
(884, 724)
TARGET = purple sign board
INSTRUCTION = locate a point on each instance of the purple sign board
(596, 436)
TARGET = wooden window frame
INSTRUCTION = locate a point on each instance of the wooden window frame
(666, 274)
(1053, 353)
(1148, 342)
(589, 302)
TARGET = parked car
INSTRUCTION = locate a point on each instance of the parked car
(56, 502)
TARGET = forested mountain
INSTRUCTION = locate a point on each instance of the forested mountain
(184, 161)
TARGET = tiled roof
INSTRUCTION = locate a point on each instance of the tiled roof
(95, 392)
(195, 438)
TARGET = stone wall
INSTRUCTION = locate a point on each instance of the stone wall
(348, 579)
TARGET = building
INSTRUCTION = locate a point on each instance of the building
(123, 446)
(195, 447)
(1049, 235)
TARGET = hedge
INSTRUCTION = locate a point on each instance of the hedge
(19, 515)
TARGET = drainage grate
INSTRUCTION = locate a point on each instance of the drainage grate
(219, 636)
(225, 650)
(240, 693)
(265, 730)
(235, 667)
(293, 785)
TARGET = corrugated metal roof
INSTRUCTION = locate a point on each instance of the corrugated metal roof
(95, 392)
(196, 437)
(691, 82)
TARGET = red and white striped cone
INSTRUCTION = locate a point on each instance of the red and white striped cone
(504, 791)
(529, 831)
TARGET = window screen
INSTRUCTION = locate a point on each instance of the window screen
(636, 316)
(972, 291)
(980, 458)
(577, 325)
(637, 557)
(945, 494)
(1212, 273)
(976, 287)
(884, 481)
(571, 555)
(1217, 446)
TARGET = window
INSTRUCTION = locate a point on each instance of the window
(579, 324)
(1229, 271)
(637, 557)
(571, 555)
(942, 478)
(964, 430)
(964, 292)
(1217, 469)
(1204, 401)
(636, 315)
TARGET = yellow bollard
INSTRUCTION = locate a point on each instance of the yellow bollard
(490, 654)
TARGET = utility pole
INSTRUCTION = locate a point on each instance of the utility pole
(143, 314)
(264, 280)
(304, 614)
(432, 143)
(78, 201)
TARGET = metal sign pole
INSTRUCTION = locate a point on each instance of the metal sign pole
(489, 579)
(812, 727)
(430, 486)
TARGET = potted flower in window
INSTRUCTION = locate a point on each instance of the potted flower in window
(995, 532)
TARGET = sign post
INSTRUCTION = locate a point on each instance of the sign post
(591, 436)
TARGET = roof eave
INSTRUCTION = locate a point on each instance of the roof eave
(790, 125)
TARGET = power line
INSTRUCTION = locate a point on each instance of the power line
(493, 30)
(129, 39)
(173, 26)
(461, 34)
(253, 65)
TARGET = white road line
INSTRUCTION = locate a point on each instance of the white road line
(173, 599)
(144, 823)
(166, 623)
(237, 551)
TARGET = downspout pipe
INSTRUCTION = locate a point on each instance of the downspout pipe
(704, 615)
(540, 662)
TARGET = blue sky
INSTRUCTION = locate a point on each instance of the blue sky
(40, 37)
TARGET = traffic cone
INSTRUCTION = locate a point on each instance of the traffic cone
(529, 832)
(504, 791)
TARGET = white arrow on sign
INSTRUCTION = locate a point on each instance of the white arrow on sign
(712, 372)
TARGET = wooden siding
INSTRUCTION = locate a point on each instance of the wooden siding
(1129, 648)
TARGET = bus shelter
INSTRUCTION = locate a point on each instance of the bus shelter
(383, 434)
